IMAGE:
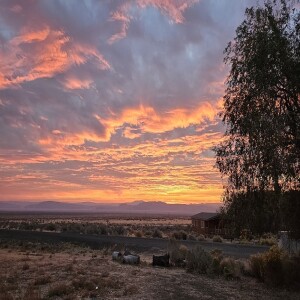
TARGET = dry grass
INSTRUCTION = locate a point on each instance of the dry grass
(77, 273)
(276, 268)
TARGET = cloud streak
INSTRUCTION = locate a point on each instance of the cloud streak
(112, 100)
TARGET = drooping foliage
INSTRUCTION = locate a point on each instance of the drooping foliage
(261, 152)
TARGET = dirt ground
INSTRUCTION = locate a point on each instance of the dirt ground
(81, 273)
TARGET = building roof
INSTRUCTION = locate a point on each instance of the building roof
(205, 216)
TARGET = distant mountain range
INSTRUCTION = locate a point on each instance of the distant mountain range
(137, 207)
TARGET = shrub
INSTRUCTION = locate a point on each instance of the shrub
(217, 239)
(178, 253)
(148, 233)
(257, 266)
(230, 268)
(271, 241)
(191, 237)
(183, 250)
(157, 234)
(139, 233)
(50, 227)
(272, 266)
(201, 237)
(275, 268)
(245, 235)
(199, 261)
(179, 235)
(119, 230)
(216, 255)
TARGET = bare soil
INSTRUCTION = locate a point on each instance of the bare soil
(80, 273)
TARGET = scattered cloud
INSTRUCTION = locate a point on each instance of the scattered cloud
(113, 100)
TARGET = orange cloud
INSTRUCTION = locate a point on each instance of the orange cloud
(60, 139)
(131, 133)
(173, 170)
(50, 52)
(149, 120)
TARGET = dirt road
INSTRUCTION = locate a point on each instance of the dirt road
(134, 243)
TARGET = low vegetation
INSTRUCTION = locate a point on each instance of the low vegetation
(85, 225)
(276, 268)
(217, 239)
(66, 271)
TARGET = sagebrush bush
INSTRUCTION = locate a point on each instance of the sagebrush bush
(271, 241)
(177, 252)
(201, 237)
(276, 268)
(199, 261)
(157, 234)
(230, 268)
(183, 251)
(272, 266)
(179, 235)
(139, 233)
(217, 239)
(191, 237)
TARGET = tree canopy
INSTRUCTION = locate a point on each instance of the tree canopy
(262, 101)
(261, 151)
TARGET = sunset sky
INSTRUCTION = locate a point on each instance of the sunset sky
(113, 101)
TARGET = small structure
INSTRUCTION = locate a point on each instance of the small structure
(208, 223)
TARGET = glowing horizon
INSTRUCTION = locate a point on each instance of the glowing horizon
(113, 102)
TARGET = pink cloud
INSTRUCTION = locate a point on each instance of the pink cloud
(43, 54)
(73, 82)
(172, 9)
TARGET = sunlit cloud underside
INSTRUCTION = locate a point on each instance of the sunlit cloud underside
(113, 101)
